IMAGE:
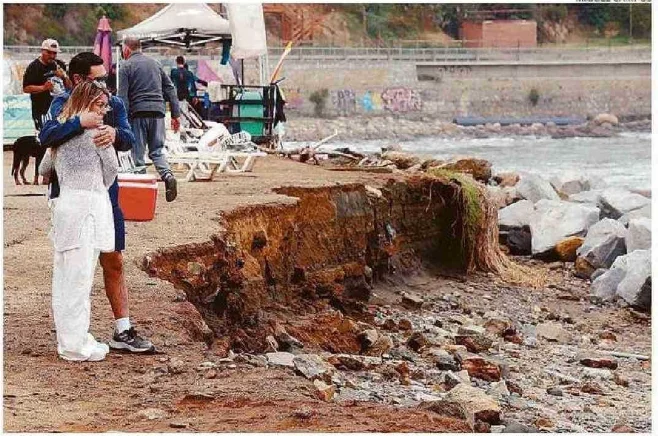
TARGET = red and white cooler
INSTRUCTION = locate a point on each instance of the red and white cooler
(137, 196)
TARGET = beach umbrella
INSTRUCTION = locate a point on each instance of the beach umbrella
(103, 43)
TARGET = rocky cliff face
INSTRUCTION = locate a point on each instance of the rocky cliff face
(296, 261)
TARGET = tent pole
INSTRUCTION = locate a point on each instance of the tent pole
(118, 58)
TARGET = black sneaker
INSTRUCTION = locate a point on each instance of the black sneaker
(171, 191)
(129, 340)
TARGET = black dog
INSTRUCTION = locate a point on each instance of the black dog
(24, 148)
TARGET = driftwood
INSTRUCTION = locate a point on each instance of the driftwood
(306, 153)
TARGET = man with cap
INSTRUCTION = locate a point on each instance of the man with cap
(37, 80)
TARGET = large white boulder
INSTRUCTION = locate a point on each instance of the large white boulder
(605, 242)
(643, 212)
(639, 234)
(553, 221)
(629, 278)
(568, 184)
(587, 197)
(615, 202)
(534, 188)
(516, 214)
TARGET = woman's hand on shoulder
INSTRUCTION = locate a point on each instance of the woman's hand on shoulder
(90, 120)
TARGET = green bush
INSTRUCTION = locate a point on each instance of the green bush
(319, 99)
(556, 13)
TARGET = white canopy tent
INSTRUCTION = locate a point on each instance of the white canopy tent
(186, 25)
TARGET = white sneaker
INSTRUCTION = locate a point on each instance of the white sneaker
(99, 352)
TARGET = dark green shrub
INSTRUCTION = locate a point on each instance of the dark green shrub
(319, 99)
(533, 96)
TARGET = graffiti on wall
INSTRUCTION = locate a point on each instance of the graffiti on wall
(371, 101)
(344, 100)
(459, 70)
(402, 100)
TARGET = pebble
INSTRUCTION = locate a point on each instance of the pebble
(178, 424)
(554, 391)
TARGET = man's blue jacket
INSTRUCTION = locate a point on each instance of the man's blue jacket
(55, 133)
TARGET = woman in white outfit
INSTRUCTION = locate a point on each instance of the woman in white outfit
(82, 224)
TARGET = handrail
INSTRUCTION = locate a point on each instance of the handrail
(434, 54)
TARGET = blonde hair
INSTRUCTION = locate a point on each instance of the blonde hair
(82, 98)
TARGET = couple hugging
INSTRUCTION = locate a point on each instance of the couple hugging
(82, 131)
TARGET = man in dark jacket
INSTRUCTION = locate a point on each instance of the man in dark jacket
(144, 87)
(112, 129)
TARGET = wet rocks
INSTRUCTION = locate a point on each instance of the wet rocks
(553, 332)
(477, 403)
(554, 221)
(639, 234)
(599, 363)
(534, 188)
(482, 368)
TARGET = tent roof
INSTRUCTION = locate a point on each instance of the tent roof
(183, 24)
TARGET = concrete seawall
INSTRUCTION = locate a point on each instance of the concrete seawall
(446, 90)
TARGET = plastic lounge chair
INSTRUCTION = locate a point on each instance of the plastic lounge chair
(126, 163)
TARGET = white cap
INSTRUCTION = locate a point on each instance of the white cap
(50, 45)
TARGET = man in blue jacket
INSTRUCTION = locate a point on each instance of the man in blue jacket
(112, 129)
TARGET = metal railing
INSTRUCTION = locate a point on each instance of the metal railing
(614, 54)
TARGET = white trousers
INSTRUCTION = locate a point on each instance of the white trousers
(73, 276)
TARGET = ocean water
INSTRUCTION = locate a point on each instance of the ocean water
(624, 160)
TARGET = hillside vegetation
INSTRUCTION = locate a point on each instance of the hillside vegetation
(351, 24)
